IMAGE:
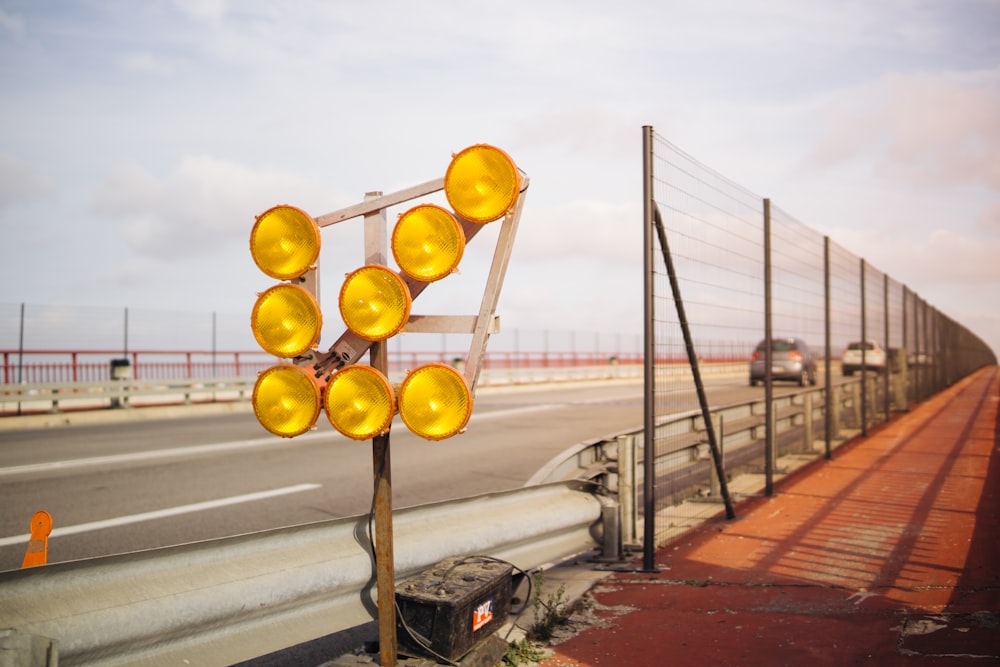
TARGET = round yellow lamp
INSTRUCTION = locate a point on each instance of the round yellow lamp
(374, 302)
(427, 243)
(285, 242)
(359, 402)
(286, 320)
(435, 402)
(482, 183)
(286, 400)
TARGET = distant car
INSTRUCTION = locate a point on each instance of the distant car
(875, 357)
(791, 359)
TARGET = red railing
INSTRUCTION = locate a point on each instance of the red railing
(58, 366)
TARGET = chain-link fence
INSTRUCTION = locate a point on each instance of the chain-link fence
(724, 264)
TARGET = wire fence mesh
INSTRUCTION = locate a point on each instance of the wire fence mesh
(745, 273)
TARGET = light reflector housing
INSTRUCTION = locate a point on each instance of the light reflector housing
(435, 402)
(285, 242)
(427, 243)
(374, 302)
(286, 400)
(359, 402)
(482, 183)
(286, 320)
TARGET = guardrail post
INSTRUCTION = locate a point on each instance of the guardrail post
(808, 434)
(611, 545)
(901, 381)
(54, 410)
(856, 402)
(27, 650)
(771, 452)
(836, 406)
(626, 487)
(871, 408)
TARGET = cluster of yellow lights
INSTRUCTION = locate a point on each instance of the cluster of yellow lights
(434, 401)
(286, 319)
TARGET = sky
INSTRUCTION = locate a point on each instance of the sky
(139, 140)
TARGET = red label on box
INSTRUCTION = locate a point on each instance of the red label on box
(482, 615)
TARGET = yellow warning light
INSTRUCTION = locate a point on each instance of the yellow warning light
(359, 402)
(435, 402)
(286, 320)
(286, 400)
(285, 242)
(482, 183)
(427, 243)
(374, 302)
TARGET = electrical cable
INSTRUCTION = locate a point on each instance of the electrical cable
(422, 641)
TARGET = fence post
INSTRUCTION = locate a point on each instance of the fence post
(864, 344)
(769, 449)
(827, 336)
(888, 352)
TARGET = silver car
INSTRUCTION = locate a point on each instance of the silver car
(791, 359)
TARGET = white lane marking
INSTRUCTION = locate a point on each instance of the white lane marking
(130, 457)
(160, 514)
(479, 416)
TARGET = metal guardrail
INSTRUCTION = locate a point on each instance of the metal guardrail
(228, 600)
(54, 398)
(613, 460)
(233, 599)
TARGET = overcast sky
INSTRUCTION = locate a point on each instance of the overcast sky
(139, 139)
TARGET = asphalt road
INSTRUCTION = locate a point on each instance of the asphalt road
(140, 484)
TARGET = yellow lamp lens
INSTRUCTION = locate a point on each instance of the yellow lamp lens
(286, 400)
(284, 242)
(435, 402)
(427, 243)
(482, 183)
(374, 302)
(286, 320)
(359, 402)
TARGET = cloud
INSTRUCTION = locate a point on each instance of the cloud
(934, 130)
(202, 10)
(945, 257)
(203, 202)
(21, 183)
(144, 62)
(11, 23)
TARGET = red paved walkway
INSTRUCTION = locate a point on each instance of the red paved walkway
(889, 554)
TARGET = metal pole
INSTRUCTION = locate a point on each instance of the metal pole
(20, 354)
(214, 343)
(864, 342)
(649, 360)
(885, 374)
(768, 359)
(827, 342)
(905, 352)
(376, 245)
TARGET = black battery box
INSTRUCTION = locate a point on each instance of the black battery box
(453, 606)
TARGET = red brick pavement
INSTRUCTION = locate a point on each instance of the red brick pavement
(888, 554)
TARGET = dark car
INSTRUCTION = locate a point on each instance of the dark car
(791, 359)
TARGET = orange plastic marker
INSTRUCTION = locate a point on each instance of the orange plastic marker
(38, 545)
